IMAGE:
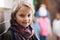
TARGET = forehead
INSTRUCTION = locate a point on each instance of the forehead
(24, 10)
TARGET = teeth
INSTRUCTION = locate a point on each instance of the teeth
(4, 21)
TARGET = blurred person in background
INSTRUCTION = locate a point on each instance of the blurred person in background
(44, 24)
(56, 25)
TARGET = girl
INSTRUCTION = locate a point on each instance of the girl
(20, 21)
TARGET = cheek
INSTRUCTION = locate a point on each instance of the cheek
(31, 19)
(19, 20)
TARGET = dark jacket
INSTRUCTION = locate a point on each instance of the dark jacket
(9, 35)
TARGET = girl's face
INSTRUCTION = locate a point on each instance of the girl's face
(24, 16)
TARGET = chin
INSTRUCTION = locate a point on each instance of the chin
(26, 25)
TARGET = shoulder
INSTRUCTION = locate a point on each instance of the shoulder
(7, 35)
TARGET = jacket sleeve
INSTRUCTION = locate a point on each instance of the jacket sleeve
(7, 36)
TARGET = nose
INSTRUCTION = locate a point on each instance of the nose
(26, 19)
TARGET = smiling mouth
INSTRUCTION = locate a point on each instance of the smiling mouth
(25, 22)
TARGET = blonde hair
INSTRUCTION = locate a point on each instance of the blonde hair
(30, 5)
